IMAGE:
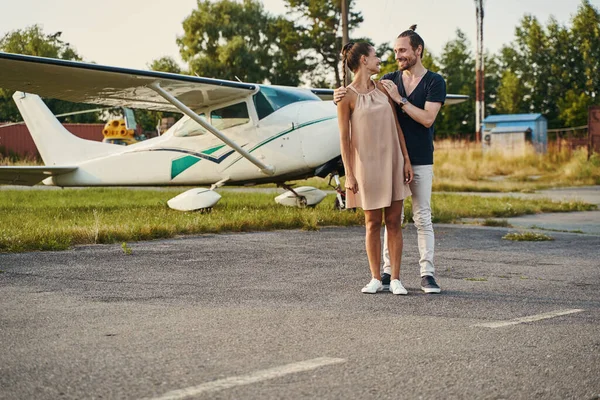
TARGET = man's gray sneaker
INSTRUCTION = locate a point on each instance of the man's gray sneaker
(385, 280)
(429, 285)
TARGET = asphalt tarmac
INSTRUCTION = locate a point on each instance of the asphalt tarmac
(276, 315)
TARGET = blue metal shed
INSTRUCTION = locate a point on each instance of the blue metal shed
(498, 124)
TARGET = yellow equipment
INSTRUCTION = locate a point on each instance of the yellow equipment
(115, 131)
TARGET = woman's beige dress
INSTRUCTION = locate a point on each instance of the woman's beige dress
(375, 153)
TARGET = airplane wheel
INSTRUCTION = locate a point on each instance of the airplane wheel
(301, 202)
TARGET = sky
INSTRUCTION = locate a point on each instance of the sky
(132, 33)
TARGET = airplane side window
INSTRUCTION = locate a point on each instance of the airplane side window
(233, 115)
(188, 127)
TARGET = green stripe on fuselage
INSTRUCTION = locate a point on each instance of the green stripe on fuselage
(213, 149)
(181, 164)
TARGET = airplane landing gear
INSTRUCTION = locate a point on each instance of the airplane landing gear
(302, 197)
(340, 198)
(301, 201)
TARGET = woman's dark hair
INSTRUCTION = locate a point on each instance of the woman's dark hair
(415, 39)
(351, 54)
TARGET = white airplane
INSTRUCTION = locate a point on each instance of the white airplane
(233, 133)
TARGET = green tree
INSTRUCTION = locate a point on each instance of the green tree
(289, 58)
(148, 119)
(322, 22)
(492, 76)
(510, 94)
(430, 62)
(165, 64)
(529, 59)
(458, 68)
(33, 41)
(574, 108)
(388, 59)
(585, 43)
(557, 67)
(563, 67)
(231, 40)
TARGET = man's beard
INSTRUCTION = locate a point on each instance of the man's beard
(410, 62)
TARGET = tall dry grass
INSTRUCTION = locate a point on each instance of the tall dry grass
(464, 166)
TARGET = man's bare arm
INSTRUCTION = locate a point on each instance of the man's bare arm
(425, 117)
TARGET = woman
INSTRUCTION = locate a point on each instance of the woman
(377, 166)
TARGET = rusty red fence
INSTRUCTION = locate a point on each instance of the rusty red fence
(16, 141)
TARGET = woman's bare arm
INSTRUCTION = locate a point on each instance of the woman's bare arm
(344, 111)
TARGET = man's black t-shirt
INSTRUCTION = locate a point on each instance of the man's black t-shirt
(419, 139)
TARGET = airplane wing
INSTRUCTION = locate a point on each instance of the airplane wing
(324, 94)
(29, 176)
(456, 98)
(327, 94)
(111, 86)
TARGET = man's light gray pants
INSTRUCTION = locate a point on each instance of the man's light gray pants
(421, 207)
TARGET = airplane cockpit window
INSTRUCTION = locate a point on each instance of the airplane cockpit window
(272, 98)
(233, 115)
(188, 127)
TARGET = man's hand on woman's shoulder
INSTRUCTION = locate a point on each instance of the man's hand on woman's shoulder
(338, 94)
(392, 89)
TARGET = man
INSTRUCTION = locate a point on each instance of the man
(419, 94)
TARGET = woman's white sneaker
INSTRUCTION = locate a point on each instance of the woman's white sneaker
(397, 288)
(373, 287)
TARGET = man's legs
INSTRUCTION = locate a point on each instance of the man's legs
(421, 207)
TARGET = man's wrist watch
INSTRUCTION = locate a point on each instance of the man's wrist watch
(403, 101)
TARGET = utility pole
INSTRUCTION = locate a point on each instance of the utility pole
(479, 72)
(345, 36)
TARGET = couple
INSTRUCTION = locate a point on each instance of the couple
(389, 155)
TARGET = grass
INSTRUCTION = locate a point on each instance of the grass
(59, 219)
(555, 230)
(126, 249)
(527, 237)
(496, 222)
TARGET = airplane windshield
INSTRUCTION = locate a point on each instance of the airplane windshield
(270, 98)
(188, 127)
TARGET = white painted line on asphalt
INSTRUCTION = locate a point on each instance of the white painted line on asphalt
(254, 377)
(552, 314)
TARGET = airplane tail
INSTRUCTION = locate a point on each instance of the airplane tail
(56, 145)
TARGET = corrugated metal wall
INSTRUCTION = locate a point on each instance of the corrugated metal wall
(16, 140)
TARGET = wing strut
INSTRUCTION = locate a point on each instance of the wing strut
(266, 169)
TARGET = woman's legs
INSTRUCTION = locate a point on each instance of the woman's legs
(393, 224)
(373, 241)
